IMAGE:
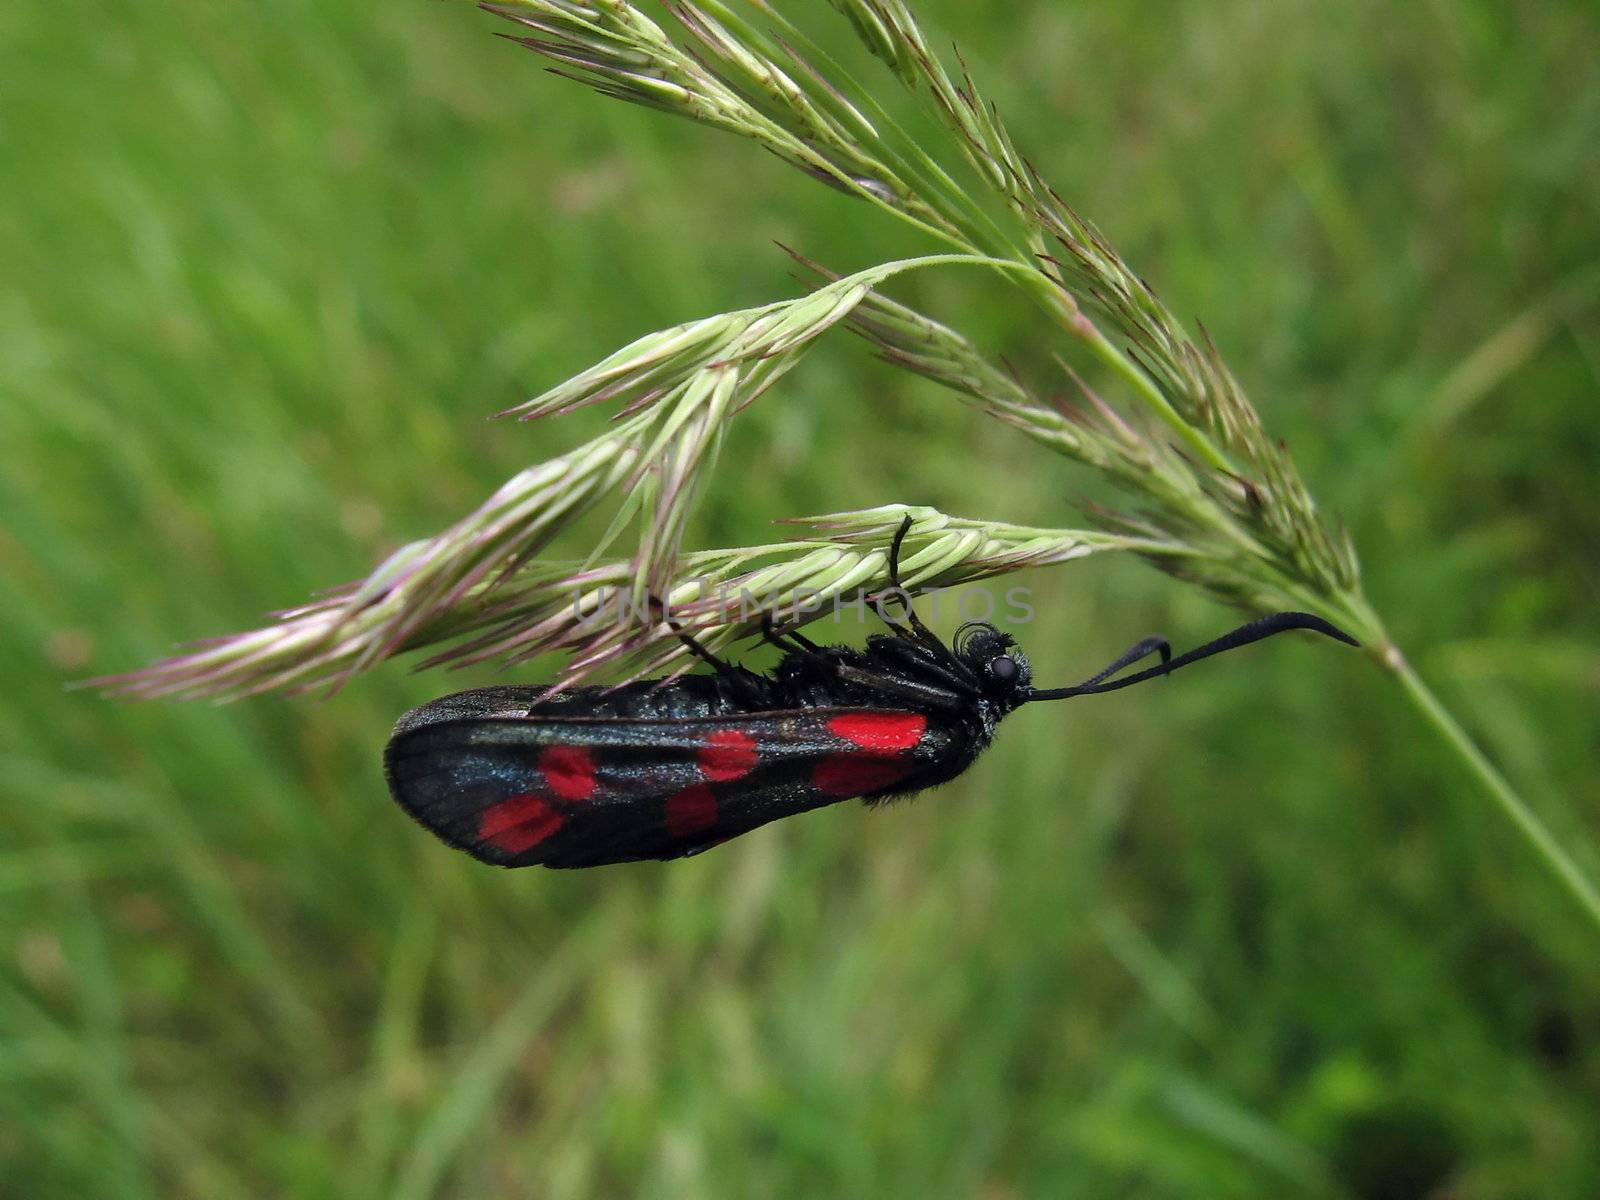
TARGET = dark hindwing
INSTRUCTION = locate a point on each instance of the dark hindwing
(547, 788)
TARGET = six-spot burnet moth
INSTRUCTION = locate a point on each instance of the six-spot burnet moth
(659, 769)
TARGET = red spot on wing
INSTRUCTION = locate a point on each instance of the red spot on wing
(728, 754)
(856, 774)
(690, 811)
(569, 770)
(518, 824)
(880, 731)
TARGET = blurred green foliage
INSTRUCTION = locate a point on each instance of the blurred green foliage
(264, 269)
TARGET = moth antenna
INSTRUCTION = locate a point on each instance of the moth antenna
(1254, 631)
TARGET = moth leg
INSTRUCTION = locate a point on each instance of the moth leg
(894, 552)
(1140, 649)
(795, 644)
(769, 632)
(921, 694)
(734, 676)
(918, 631)
(928, 661)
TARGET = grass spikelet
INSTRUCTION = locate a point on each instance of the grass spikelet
(1203, 490)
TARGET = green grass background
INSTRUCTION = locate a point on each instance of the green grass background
(265, 269)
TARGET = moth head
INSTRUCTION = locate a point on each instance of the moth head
(992, 656)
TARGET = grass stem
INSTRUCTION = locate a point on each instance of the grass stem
(1527, 822)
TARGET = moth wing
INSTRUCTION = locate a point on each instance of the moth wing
(560, 791)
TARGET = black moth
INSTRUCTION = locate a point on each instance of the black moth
(659, 769)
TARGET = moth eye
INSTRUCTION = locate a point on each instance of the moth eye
(1003, 668)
